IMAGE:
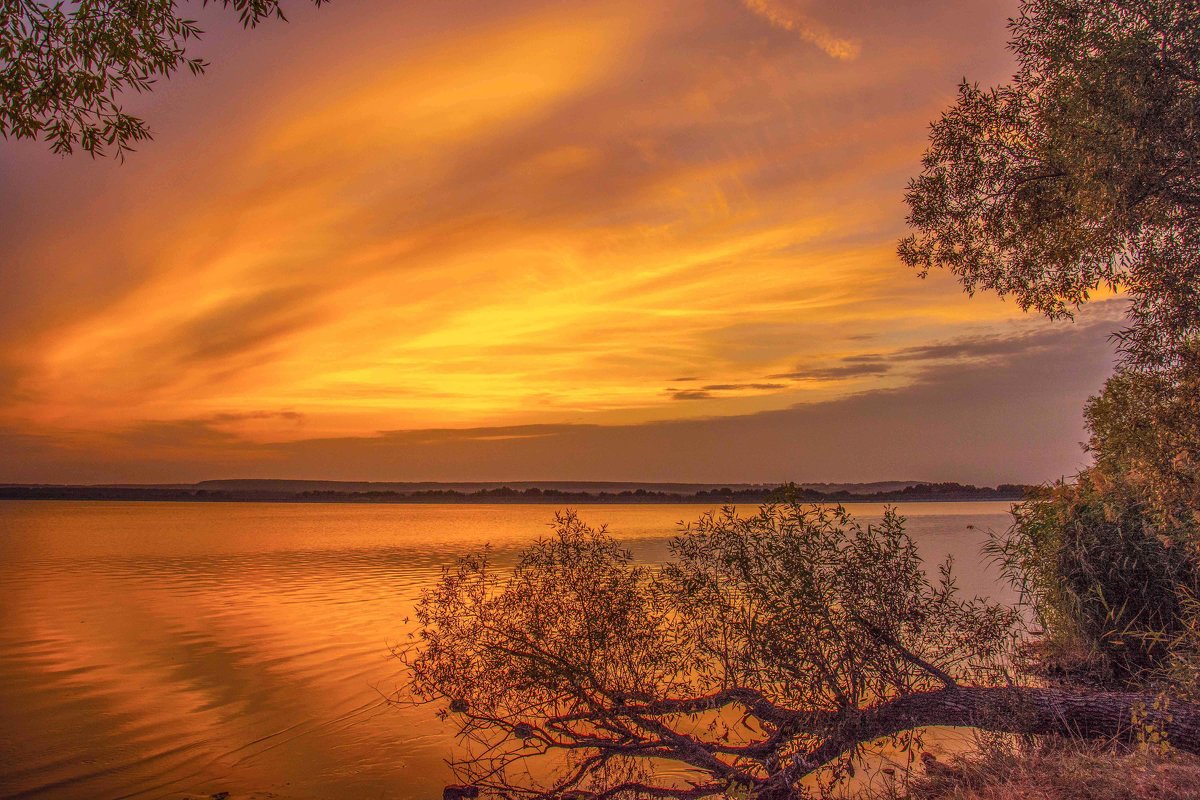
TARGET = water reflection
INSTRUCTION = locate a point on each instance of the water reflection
(175, 650)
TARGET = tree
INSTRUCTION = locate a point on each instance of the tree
(1082, 173)
(1145, 437)
(771, 647)
(64, 66)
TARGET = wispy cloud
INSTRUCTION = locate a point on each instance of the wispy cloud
(833, 373)
(712, 390)
(733, 387)
(790, 16)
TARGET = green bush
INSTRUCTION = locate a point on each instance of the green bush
(1104, 579)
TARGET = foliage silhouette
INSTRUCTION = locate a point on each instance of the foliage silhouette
(1082, 173)
(64, 66)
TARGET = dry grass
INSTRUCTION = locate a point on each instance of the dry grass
(1067, 772)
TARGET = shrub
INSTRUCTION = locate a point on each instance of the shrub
(1104, 578)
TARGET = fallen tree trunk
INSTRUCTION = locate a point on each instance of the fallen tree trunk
(1118, 716)
(1109, 716)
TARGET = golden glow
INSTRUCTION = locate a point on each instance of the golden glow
(545, 214)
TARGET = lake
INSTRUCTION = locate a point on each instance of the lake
(175, 650)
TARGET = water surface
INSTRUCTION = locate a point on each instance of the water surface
(171, 650)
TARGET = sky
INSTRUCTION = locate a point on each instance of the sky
(610, 240)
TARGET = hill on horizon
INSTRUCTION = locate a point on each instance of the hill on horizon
(300, 485)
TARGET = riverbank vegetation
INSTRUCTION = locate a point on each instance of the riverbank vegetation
(771, 655)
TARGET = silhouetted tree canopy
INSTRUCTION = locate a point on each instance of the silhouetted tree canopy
(771, 647)
(1083, 172)
(64, 65)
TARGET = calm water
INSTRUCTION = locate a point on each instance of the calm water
(172, 650)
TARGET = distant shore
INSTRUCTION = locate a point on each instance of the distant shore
(918, 492)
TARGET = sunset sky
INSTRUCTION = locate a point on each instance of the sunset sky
(648, 240)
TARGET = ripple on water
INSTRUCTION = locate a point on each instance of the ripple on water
(165, 649)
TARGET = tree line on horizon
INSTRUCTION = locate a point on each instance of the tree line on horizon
(785, 493)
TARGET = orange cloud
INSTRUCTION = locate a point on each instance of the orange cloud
(463, 216)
